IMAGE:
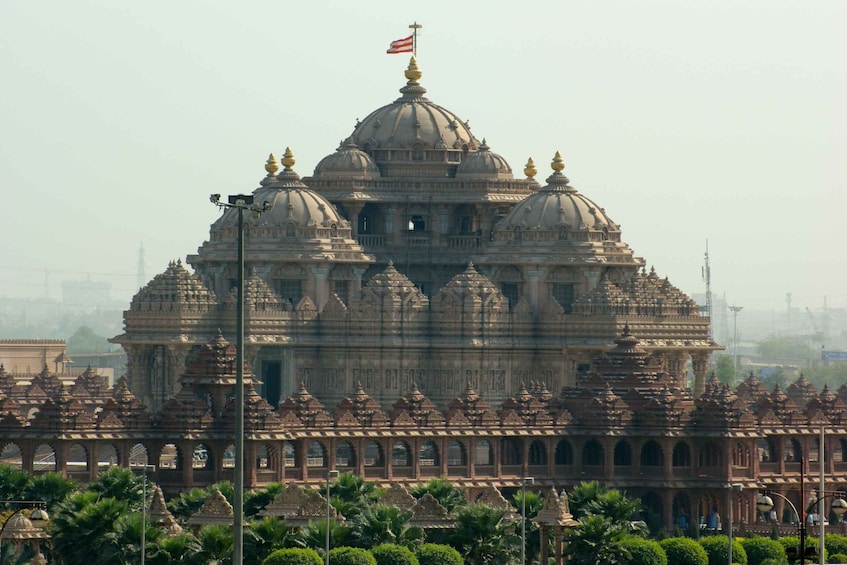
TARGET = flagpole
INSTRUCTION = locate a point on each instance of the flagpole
(415, 27)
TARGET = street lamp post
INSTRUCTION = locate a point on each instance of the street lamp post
(145, 468)
(524, 481)
(329, 476)
(241, 203)
(735, 311)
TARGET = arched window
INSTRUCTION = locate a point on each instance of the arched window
(510, 451)
(401, 454)
(709, 456)
(792, 451)
(373, 455)
(623, 454)
(315, 455)
(289, 454)
(564, 453)
(592, 453)
(681, 455)
(456, 454)
(483, 453)
(537, 453)
(344, 455)
(429, 455)
(651, 455)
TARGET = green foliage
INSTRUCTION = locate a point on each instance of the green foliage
(265, 536)
(256, 500)
(596, 541)
(171, 550)
(84, 340)
(717, 548)
(380, 524)
(835, 543)
(314, 535)
(725, 369)
(217, 542)
(13, 481)
(351, 556)
(838, 558)
(119, 483)
(81, 528)
(483, 537)
(351, 494)
(50, 487)
(438, 554)
(644, 552)
(392, 554)
(684, 551)
(786, 347)
(534, 504)
(582, 494)
(760, 549)
(449, 496)
(188, 503)
(293, 556)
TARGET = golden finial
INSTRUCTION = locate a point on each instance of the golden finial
(530, 170)
(558, 163)
(272, 165)
(288, 159)
(413, 73)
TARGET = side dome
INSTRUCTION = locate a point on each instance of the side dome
(484, 164)
(290, 203)
(347, 162)
(413, 121)
(559, 207)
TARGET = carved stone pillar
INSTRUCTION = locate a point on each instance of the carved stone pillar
(543, 534)
(319, 285)
(533, 290)
(700, 363)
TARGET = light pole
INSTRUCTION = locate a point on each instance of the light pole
(735, 311)
(524, 481)
(330, 475)
(732, 488)
(144, 468)
(240, 202)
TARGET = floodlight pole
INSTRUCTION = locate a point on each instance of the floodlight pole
(329, 476)
(524, 481)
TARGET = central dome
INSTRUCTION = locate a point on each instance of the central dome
(413, 121)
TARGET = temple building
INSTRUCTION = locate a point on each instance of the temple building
(414, 310)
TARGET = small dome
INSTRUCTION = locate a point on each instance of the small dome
(413, 121)
(347, 162)
(555, 206)
(484, 164)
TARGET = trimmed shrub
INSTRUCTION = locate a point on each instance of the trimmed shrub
(293, 556)
(835, 543)
(684, 551)
(437, 554)
(351, 556)
(760, 549)
(391, 554)
(793, 542)
(718, 549)
(838, 558)
(644, 551)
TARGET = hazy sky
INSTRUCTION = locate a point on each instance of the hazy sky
(686, 120)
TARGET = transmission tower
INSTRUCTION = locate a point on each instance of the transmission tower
(707, 276)
(140, 276)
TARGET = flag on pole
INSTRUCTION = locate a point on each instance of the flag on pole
(405, 45)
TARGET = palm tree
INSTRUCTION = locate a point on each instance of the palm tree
(483, 537)
(267, 535)
(444, 492)
(534, 504)
(379, 524)
(181, 548)
(216, 543)
(123, 543)
(313, 536)
(119, 483)
(596, 541)
(581, 495)
(351, 494)
(50, 487)
(256, 500)
(80, 527)
(13, 481)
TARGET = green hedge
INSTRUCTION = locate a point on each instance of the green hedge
(437, 554)
(390, 554)
(761, 549)
(293, 556)
(684, 551)
(835, 543)
(718, 549)
(351, 556)
(644, 552)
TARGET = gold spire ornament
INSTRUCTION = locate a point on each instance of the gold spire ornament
(558, 163)
(413, 72)
(530, 170)
(272, 165)
(288, 159)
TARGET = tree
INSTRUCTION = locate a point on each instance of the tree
(684, 551)
(483, 537)
(444, 492)
(381, 524)
(293, 556)
(172, 550)
(725, 369)
(438, 554)
(581, 495)
(13, 483)
(80, 527)
(124, 540)
(216, 542)
(644, 552)
(121, 484)
(596, 540)
(534, 504)
(256, 500)
(392, 554)
(50, 487)
(351, 556)
(717, 547)
(84, 340)
(351, 494)
(264, 536)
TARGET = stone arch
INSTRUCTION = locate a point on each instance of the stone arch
(709, 455)
(341, 281)
(652, 509)
(201, 457)
(170, 457)
(287, 280)
(740, 454)
(623, 454)
(107, 455)
(510, 451)
(428, 455)
(267, 457)
(681, 508)
(564, 453)
(401, 454)
(289, 455)
(511, 282)
(593, 453)
(316, 455)
(12, 455)
(228, 460)
(652, 455)
(345, 456)
(537, 453)
(792, 452)
(78, 459)
(681, 455)
(139, 455)
(374, 454)
(44, 458)
(456, 455)
(483, 453)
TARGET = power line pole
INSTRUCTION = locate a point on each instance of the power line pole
(735, 311)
